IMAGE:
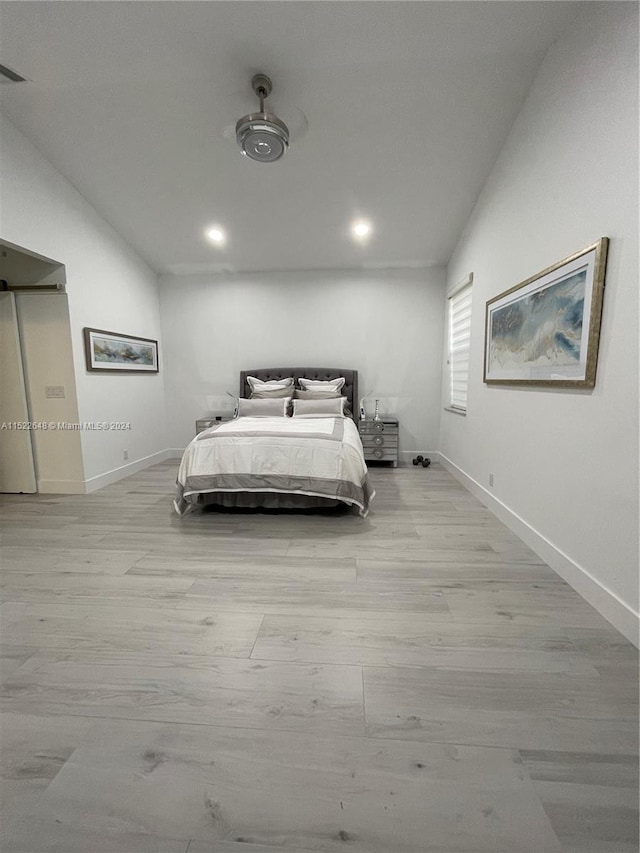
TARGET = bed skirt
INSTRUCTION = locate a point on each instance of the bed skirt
(267, 500)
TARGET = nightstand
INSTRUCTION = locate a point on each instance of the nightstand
(205, 423)
(380, 439)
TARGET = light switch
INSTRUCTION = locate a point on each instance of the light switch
(56, 391)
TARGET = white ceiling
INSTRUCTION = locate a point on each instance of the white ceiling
(408, 106)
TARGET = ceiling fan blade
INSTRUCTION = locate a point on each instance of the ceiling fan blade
(296, 121)
(229, 133)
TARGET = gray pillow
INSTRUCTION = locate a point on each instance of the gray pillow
(332, 408)
(263, 408)
(316, 394)
(265, 392)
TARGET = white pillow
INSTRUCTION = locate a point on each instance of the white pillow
(254, 382)
(263, 408)
(330, 408)
(319, 384)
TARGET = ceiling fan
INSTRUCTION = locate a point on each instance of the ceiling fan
(263, 136)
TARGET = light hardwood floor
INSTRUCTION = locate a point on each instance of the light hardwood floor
(415, 682)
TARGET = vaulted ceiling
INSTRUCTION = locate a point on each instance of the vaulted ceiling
(408, 105)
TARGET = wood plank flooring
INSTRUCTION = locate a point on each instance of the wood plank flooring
(415, 682)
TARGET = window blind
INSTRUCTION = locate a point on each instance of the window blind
(459, 338)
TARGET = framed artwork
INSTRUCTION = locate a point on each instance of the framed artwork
(111, 352)
(546, 330)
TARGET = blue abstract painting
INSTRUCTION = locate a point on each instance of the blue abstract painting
(541, 329)
(120, 352)
(112, 352)
(546, 330)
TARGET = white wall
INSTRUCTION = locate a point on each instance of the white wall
(386, 324)
(109, 287)
(565, 463)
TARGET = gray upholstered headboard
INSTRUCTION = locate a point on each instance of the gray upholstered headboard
(350, 390)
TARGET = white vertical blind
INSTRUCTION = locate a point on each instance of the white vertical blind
(459, 337)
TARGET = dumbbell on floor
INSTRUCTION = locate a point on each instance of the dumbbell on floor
(421, 460)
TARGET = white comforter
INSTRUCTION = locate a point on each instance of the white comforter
(309, 456)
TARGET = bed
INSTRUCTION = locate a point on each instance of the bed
(311, 460)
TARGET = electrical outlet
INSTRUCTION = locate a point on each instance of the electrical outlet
(125, 455)
(491, 479)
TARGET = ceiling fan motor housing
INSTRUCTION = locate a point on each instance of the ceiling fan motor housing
(262, 136)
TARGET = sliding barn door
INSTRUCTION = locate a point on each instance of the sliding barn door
(17, 472)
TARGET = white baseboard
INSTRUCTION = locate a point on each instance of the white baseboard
(102, 480)
(174, 452)
(61, 487)
(606, 602)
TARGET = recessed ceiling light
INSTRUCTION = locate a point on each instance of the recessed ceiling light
(361, 229)
(216, 235)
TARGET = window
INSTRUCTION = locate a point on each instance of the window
(459, 335)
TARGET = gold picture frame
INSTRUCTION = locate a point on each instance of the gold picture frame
(545, 331)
